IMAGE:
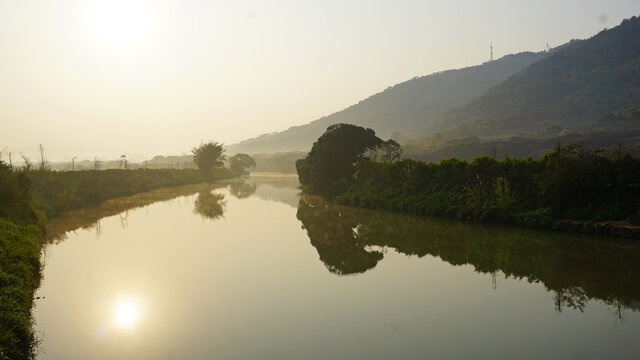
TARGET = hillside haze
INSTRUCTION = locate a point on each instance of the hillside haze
(410, 106)
(572, 88)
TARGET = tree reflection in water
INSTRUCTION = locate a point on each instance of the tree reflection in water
(242, 190)
(576, 268)
(89, 217)
(210, 205)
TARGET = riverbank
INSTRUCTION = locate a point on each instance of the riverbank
(568, 189)
(55, 192)
(28, 200)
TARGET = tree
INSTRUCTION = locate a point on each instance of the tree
(27, 162)
(239, 162)
(329, 167)
(207, 156)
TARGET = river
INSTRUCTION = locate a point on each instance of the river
(250, 270)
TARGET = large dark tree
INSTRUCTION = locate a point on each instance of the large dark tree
(330, 165)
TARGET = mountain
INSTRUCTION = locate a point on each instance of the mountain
(572, 88)
(407, 107)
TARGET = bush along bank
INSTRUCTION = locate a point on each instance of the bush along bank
(568, 189)
(27, 199)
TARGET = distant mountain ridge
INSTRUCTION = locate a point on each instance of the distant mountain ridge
(573, 87)
(410, 106)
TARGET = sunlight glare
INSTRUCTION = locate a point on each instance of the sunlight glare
(120, 21)
(126, 313)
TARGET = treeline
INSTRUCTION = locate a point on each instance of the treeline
(439, 147)
(569, 183)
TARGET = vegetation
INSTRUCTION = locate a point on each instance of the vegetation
(56, 192)
(332, 158)
(437, 147)
(21, 230)
(238, 163)
(572, 87)
(208, 156)
(570, 183)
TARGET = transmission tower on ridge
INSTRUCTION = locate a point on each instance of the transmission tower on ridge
(491, 58)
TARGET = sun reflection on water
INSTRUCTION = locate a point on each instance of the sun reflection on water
(126, 312)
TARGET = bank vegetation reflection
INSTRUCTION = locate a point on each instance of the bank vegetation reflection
(210, 205)
(573, 267)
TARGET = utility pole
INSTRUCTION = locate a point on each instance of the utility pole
(95, 165)
(10, 163)
(41, 158)
(73, 163)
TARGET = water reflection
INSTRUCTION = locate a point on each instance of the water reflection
(575, 268)
(162, 287)
(210, 205)
(127, 312)
(242, 190)
(340, 240)
(89, 217)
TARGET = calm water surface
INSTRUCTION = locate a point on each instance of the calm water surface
(249, 270)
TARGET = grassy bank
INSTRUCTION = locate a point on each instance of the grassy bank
(570, 184)
(19, 277)
(27, 200)
(55, 192)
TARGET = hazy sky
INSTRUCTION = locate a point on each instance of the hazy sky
(110, 77)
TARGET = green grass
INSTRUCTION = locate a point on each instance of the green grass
(19, 278)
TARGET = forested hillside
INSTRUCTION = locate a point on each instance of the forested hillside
(410, 106)
(573, 87)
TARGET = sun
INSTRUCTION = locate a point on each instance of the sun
(126, 313)
(120, 21)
